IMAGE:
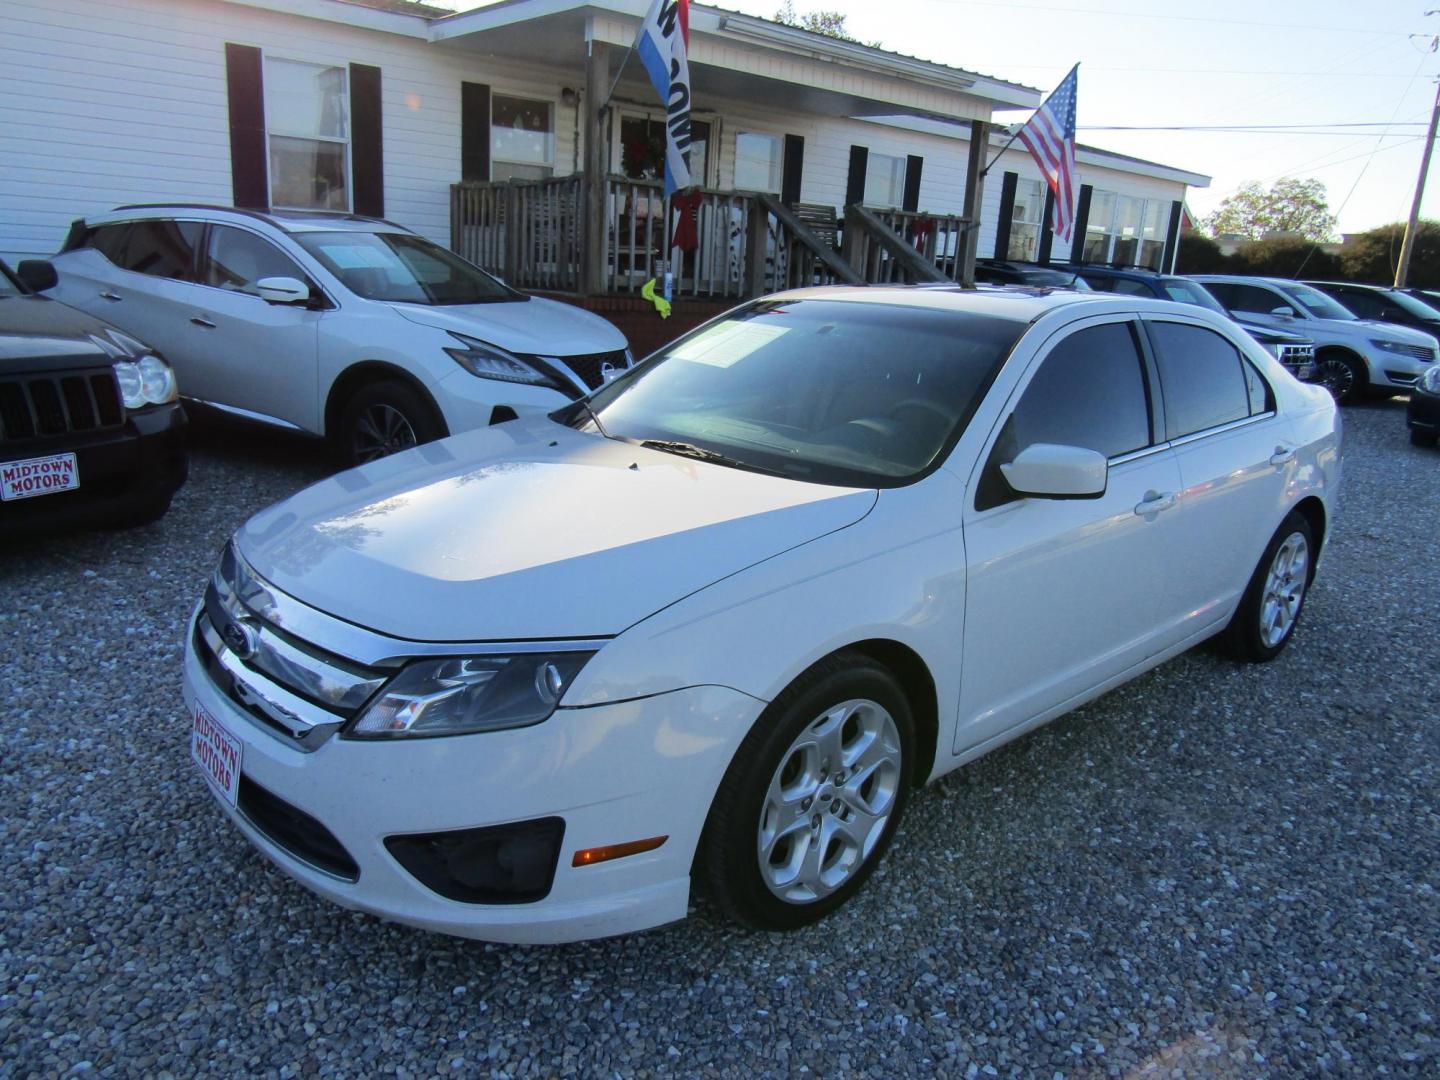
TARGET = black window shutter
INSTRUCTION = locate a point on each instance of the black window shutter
(1172, 236)
(245, 88)
(367, 147)
(475, 132)
(855, 183)
(794, 166)
(913, 164)
(1047, 231)
(1082, 222)
(1007, 215)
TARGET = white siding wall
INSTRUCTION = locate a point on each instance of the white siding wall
(125, 101)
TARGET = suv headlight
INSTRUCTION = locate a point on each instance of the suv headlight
(1430, 381)
(461, 695)
(1391, 347)
(492, 362)
(146, 381)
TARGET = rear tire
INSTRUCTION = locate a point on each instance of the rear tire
(1270, 610)
(383, 418)
(812, 798)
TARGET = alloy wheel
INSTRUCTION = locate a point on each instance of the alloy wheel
(1284, 590)
(829, 801)
(1337, 377)
(382, 430)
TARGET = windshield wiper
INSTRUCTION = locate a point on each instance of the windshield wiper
(699, 453)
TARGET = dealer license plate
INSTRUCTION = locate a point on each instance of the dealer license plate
(218, 754)
(38, 476)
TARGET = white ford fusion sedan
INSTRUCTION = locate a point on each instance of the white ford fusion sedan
(712, 625)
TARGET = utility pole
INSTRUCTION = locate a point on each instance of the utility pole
(1408, 247)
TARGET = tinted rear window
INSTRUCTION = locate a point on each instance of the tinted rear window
(1202, 376)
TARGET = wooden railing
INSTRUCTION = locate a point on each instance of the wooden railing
(530, 233)
(904, 246)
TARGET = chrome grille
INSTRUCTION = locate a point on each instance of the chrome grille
(591, 369)
(275, 677)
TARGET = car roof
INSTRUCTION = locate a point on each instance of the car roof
(291, 221)
(1022, 303)
(1351, 285)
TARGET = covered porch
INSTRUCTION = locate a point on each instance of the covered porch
(796, 188)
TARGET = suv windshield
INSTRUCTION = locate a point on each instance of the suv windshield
(1190, 292)
(1317, 303)
(833, 392)
(402, 268)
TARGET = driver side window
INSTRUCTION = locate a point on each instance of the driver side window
(1089, 392)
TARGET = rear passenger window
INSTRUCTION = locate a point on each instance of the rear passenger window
(1089, 392)
(1204, 379)
(1131, 288)
(160, 249)
(109, 240)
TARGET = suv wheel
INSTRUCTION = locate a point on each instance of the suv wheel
(383, 419)
(1343, 375)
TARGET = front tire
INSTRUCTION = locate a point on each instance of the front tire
(384, 418)
(1270, 610)
(812, 798)
(1344, 375)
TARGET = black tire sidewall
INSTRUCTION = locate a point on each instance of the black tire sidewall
(400, 396)
(1244, 641)
(729, 859)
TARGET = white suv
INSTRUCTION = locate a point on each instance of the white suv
(1353, 355)
(347, 327)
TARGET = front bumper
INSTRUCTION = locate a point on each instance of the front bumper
(613, 773)
(1423, 413)
(123, 470)
(1395, 372)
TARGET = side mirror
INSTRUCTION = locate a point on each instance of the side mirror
(1048, 471)
(1283, 312)
(37, 275)
(283, 290)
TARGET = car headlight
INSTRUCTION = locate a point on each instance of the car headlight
(146, 381)
(461, 695)
(492, 362)
(1430, 381)
(1392, 347)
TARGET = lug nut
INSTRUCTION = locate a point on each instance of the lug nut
(806, 804)
(815, 822)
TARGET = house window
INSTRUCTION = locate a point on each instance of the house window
(522, 139)
(885, 181)
(1126, 231)
(1129, 218)
(1025, 221)
(642, 149)
(1152, 236)
(307, 119)
(1097, 229)
(759, 162)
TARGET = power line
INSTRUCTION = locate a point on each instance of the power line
(1271, 128)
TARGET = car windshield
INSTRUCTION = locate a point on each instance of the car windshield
(833, 392)
(401, 268)
(1190, 292)
(1317, 303)
(1415, 307)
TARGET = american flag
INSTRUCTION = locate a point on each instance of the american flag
(1049, 135)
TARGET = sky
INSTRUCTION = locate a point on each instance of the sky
(1221, 63)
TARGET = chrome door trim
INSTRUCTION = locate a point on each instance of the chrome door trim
(1233, 425)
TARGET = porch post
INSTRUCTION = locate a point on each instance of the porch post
(596, 231)
(974, 198)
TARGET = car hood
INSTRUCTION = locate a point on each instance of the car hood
(38, 333)
(536, 325)
(529, 530)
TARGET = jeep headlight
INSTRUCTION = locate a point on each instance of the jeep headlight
(461, 695)
(146, 381)
(1430, 381)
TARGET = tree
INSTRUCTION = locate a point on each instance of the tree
(1372, 256)
(1200, 255)
(1287, 257)
(829, 23)
(1289, 206)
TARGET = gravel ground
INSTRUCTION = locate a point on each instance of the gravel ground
(1215, 871)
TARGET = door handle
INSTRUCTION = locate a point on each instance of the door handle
(198, 321)
(1283, 455)
(1154, 502)
(112, 297)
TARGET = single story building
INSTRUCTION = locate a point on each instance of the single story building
(818, 159)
